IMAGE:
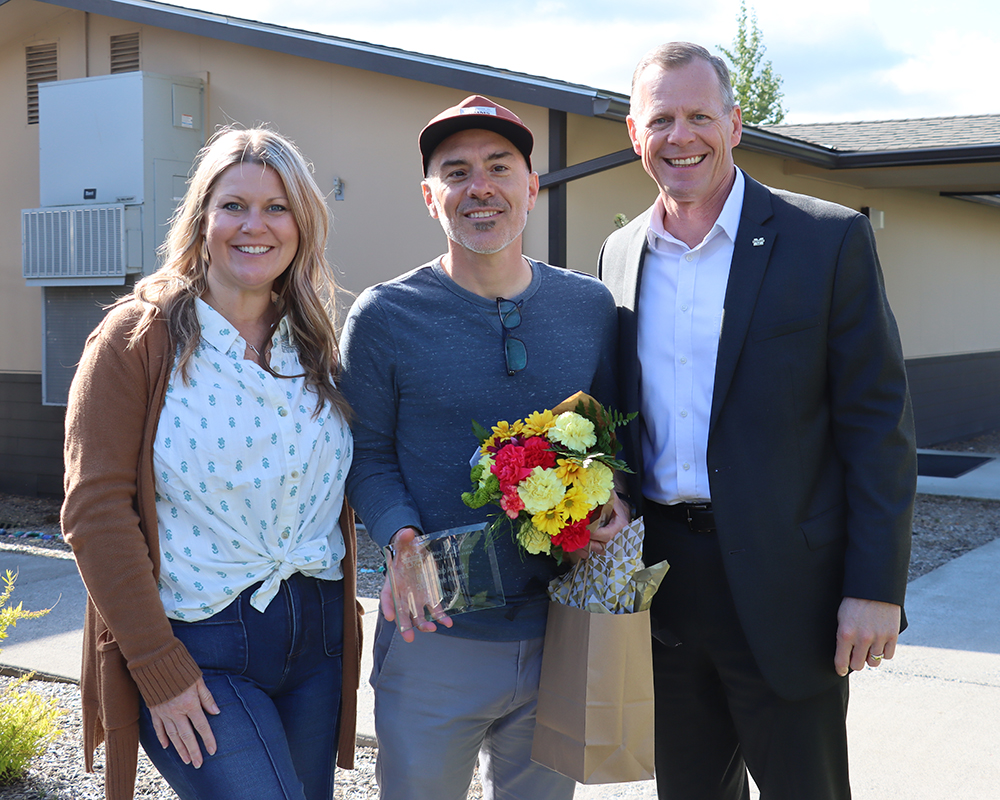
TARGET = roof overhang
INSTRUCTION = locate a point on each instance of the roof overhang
(983, 199)
(966, 169)
(827, 158)
(473, 78)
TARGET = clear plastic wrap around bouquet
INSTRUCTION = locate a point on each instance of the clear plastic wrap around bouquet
(551, 473)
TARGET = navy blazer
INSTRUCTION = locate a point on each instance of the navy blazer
(811, 451)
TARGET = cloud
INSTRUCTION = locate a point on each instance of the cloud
(955, 73)
(850, 59)
(893, 59)
(823, 80)
(589, 42)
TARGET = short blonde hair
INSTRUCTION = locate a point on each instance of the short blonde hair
(673, 55)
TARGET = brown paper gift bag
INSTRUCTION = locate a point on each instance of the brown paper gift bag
(595, 697)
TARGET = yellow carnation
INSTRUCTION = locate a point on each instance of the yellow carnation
(550, 521)
(574, 505)
(573, 431)
(538, 422)
(533, 540)
(541, 490)
(596, 483)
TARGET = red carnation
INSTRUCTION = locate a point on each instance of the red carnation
(574, 536)
(537, 453)
(509, 466)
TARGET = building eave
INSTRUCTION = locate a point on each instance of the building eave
(473, 78)
(508, 85)
(829, 158)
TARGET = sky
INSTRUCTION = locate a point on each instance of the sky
(839, 61)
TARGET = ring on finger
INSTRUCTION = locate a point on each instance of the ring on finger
(875, 657)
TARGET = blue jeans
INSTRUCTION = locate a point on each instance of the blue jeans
(276, 678)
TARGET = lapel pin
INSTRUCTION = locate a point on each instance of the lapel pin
(758, 242)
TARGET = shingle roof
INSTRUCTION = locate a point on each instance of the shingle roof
(899, 134)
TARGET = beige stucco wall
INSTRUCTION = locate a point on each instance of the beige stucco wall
(359, 126)
(938, 254)
(594, 200)
(945, 271)
(21, 25)
(940, 257)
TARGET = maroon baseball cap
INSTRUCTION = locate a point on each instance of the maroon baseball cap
(475, 111)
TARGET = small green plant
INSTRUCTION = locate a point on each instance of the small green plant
(27, 720)
(620, 220)
(10, 615)
(27, 726)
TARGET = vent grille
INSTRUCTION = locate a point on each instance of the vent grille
(125, 53)
(75, 243)
(69, 314)
(41, 66)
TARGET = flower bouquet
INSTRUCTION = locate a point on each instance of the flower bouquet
(552, 473)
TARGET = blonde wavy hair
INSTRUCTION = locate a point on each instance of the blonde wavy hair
(304, 292)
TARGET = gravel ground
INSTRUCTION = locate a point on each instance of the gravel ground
(943, 528)
(988, 442)
(59, 773)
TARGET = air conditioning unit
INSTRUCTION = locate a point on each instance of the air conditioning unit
(75, 245)
(115, 152)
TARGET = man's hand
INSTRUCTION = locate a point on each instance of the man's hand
(414, 575)
(176, 721)
(867, 633)
(603, 534)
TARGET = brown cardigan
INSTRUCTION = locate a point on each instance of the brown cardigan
(109, 519)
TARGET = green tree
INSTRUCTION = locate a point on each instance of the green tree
(756, 85)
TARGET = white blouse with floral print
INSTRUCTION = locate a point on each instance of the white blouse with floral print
(250, 483)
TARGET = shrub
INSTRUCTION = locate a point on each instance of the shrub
(27, 726)
(27, 720)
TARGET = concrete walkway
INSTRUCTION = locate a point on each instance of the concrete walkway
(924, 726)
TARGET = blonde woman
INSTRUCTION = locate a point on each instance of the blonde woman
(206, 450)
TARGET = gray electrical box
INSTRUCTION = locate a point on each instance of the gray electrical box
(117, 142)
(115, 152)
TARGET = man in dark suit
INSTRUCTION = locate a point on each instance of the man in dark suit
(775, 455)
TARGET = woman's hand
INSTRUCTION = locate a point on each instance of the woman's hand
(176, 721)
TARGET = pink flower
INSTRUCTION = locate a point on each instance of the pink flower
(511, 503)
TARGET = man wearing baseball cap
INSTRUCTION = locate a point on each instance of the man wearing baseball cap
(481, 333)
